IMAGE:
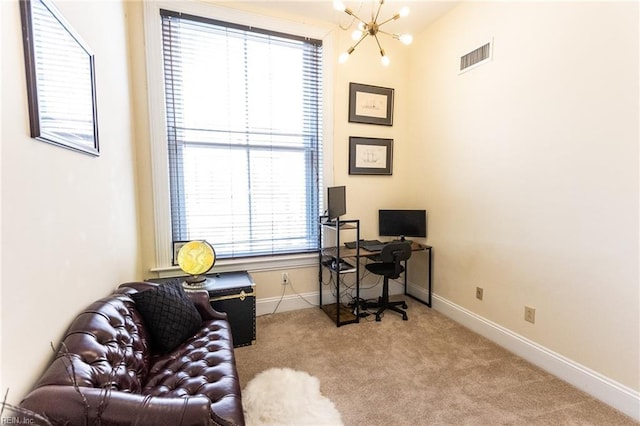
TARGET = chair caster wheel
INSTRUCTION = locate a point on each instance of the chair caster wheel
(378, 318)
(404, 306)
(405, 318)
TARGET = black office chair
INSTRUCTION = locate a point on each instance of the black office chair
(390, 266)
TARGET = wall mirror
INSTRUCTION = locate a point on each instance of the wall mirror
(60, 80)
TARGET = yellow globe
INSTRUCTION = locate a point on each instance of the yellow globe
(196, 257)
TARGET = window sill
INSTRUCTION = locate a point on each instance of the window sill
(256, 264)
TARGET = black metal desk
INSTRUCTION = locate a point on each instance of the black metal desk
(429, 277)
(345, 252)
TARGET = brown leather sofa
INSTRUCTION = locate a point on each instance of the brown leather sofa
(107, 373)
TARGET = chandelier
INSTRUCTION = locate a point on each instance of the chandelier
(372, 28)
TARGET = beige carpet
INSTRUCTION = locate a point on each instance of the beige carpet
(425, 371)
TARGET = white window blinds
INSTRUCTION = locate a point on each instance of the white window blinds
(244, 136)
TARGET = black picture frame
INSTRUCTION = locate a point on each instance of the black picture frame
(176, 246)
(61, 86)
(370, 156)
(370, 104)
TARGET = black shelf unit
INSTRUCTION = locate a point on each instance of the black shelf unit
(329, 255)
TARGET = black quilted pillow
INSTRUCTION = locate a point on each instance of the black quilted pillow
(169, 315)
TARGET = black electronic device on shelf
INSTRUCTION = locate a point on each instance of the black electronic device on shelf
(342, 266)
(336, 202)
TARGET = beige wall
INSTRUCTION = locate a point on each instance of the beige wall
(530, 172)
(69, 227)
(365, 194)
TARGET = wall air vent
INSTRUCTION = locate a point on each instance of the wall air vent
(476, 57)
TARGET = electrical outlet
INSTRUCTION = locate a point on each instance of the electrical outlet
(530, 314)
(285, 278)
(479, 292)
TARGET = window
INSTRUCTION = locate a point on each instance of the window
(243, 114)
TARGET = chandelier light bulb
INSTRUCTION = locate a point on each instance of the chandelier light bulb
(384, 58)
(343, 57)
(404, 12)
(338, 5)
(356, 35)
(406, 39)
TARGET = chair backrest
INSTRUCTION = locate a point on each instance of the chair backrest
(396, 252)
(388, 262)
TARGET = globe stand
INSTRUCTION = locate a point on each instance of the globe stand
(195, 281)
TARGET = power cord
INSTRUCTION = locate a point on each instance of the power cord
(299, 295)
(284, 289)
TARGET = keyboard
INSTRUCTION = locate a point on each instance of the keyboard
(374, 246)
(378, 246)
(352, 244)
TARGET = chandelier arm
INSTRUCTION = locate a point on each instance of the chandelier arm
(378, 41)
(351, 13)
(393, 18)
(378, 12)
(396, 36)
(359, 41)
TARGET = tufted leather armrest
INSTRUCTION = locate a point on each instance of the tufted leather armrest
(201, 300)
(64, 404)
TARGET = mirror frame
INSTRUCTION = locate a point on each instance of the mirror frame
(80, 142)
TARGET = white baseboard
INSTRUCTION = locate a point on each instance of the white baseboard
(595, 384)
(291, 302)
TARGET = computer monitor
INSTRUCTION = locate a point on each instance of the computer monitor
(336, 201)
(402, 223)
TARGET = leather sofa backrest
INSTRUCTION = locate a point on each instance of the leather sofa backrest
(106, 346)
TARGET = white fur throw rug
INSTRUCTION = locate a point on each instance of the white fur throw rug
(282, 396)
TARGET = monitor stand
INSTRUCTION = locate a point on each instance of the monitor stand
(403, 240)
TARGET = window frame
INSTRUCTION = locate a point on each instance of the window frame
(157, 125)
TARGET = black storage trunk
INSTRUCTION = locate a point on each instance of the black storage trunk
(234, 294)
